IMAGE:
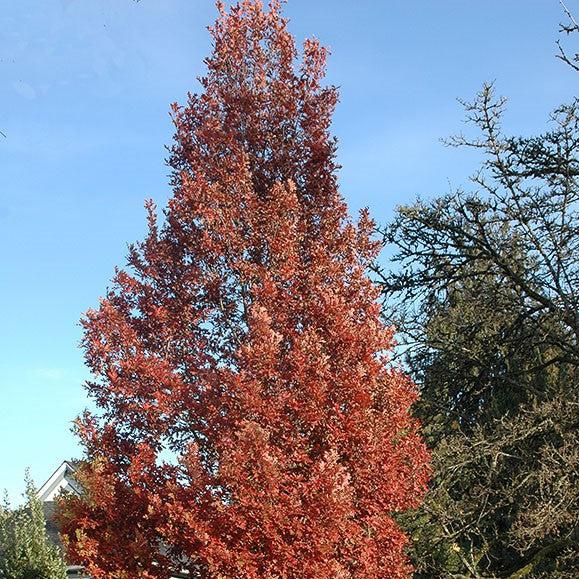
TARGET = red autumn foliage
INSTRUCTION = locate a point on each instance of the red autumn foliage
(249, 424)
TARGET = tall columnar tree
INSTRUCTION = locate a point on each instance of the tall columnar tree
(249, 424)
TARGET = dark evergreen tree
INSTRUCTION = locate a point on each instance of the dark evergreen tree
(487, 297)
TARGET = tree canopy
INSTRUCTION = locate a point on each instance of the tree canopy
(487, 298)
(249, 422)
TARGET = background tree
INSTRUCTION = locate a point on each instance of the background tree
(571, 26)
(487, 296)
(25, 549)
(249, 423)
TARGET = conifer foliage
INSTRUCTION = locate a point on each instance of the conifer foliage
(249, 422)
(26, 551)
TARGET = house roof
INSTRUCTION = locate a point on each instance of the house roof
(60, 480)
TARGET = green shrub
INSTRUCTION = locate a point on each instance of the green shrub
(25, 549)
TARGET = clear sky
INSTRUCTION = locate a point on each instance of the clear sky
(85, 88)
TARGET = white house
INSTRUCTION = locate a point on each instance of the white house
(60, 480)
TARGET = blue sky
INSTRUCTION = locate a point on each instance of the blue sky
(85, 88)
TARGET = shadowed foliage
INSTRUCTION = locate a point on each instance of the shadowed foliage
(487, 297)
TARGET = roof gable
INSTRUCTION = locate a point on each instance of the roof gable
(61, 480)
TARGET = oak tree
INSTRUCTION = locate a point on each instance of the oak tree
(249, 421)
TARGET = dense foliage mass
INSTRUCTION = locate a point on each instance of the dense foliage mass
(487, 293)
(25, 550)
(249, 422)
